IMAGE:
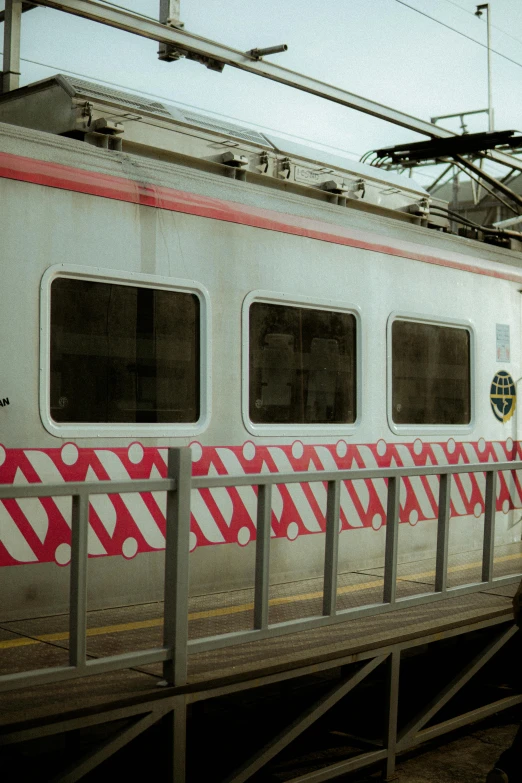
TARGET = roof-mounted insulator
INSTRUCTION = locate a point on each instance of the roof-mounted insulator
(101, 125)
(359, 189)
(263, 163)
(284, 168)
(230, 158)
(335, 186)
(421, 208)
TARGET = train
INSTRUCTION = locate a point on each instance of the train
(174, 279)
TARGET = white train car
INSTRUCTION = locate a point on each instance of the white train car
(168, 279)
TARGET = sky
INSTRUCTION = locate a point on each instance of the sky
(385, 50)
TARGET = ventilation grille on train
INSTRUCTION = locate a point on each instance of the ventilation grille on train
(225, 127)
(136, 102)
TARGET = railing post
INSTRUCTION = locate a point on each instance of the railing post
(441, 568)
(175, 633)
(392, 540)
(490, 507)
(331, 548)
(78, 576)
(262, 575)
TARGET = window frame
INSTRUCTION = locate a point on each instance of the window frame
(310, 303)
(432, 320)
(123, 429)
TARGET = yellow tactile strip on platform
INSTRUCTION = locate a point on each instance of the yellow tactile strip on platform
(37, 643)
(133, 628)
(462, 569)
(290, 601)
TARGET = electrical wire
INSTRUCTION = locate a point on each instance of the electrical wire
(384, 161)
(124, 8)
(470, 223)
(495, 27)
(465, 221)
(454, 30)
(458, 216)
(452, 2)
(471, 13)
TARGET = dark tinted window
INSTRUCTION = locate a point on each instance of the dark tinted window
(302, 365)
(430, 374)
(123, 354)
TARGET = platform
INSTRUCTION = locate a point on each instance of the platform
(356, 643)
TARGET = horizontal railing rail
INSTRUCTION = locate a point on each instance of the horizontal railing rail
(71, 488)
(178, 485)
(356, 474)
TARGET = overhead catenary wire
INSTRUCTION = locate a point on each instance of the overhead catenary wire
(494, 26)
(452, 2)
(317, 143)
(401, 2)
(458, 32)
(126, 8)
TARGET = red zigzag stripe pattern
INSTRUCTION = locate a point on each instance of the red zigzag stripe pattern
(36, 530)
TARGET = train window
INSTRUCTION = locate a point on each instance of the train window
(302, 365)
(431, 376)
(122, 353)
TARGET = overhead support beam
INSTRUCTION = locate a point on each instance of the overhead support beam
(217, 55)
(170, 15)
(504, 159)
(25, 7)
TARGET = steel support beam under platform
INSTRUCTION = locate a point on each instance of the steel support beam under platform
(169, 705)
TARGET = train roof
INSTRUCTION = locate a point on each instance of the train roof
(116, 119)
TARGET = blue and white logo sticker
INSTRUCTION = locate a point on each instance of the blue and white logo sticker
(503, 396)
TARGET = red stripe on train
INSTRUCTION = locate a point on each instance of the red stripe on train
(57, 175)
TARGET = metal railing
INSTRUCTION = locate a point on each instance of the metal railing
(173, 654)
